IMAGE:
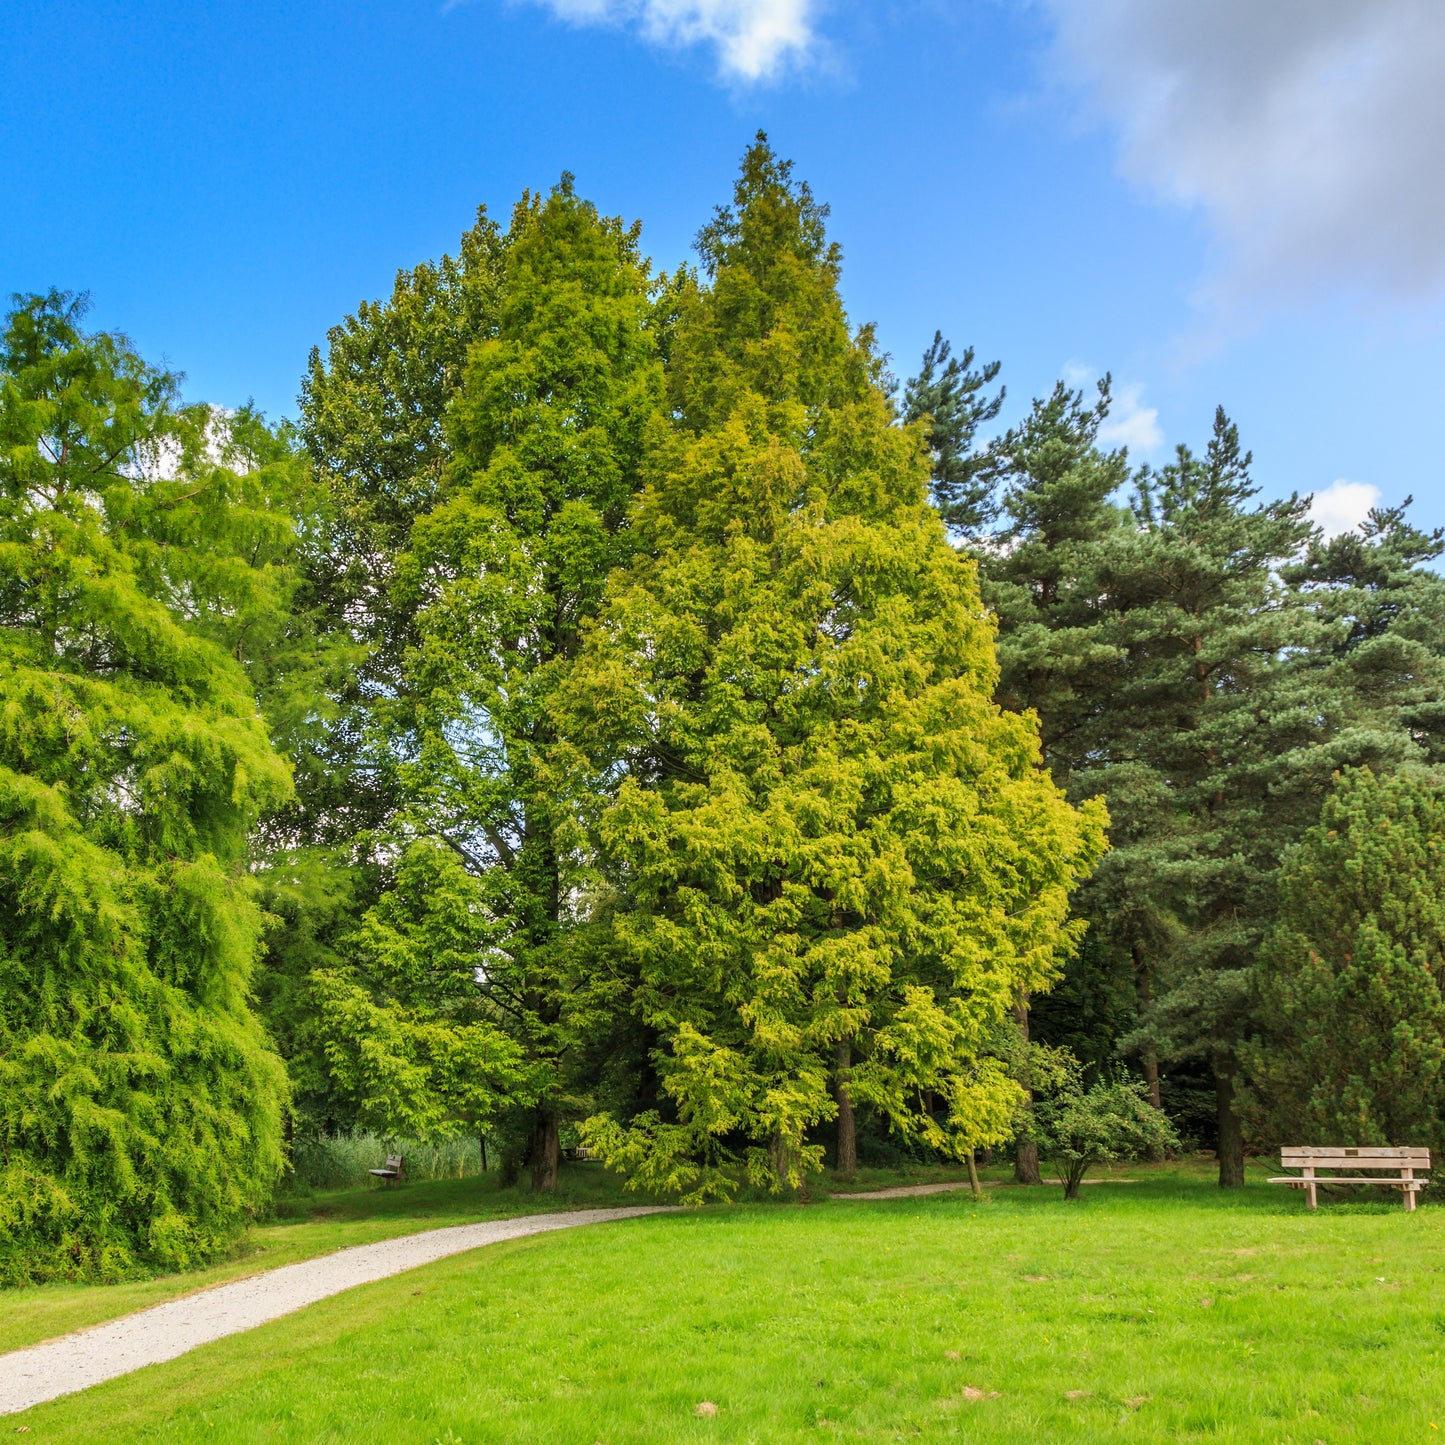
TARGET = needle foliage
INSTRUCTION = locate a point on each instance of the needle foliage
(839, 861)
(140, 1105)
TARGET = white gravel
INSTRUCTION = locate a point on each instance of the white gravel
(75, 1362)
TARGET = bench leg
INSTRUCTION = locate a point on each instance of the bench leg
(1310, 1196)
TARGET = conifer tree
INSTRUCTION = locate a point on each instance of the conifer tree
(465, 996)
(1041, 577)
(840, 861)
(1351, 1042)
(1216, 746)
(140, 1104)
(951, 396)
(1203, 663)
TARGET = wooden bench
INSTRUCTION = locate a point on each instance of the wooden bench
(1309, 1159)
(391, 1171)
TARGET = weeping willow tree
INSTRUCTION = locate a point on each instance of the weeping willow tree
(140, 1105)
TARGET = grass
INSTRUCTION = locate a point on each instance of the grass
(342, 1161)
(1160, 1311)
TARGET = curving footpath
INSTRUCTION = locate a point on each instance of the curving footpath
(75, 1362)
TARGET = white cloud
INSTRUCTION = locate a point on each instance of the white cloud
(1342, 506)
(754, 39)
(1130, 423)
(1308, 131)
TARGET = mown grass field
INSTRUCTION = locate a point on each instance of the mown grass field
(1158, 1311)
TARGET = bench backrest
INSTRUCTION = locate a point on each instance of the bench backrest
(1367, 1156)
(393, 1161)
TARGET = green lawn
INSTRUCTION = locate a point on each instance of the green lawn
(1158, 1311)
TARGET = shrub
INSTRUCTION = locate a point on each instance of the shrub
(1077, 1128)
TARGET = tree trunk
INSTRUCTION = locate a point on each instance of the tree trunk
(782, 1159)
(1144, 994)
(847, 1162)
(1231, 1136)
(1026, 1159)
(974, 1186)
(546, 1151)
(482, 1140)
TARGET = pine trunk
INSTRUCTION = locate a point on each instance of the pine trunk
(1231, 1136)
(847, 1162)
(546, 1151)
(1026, 1160)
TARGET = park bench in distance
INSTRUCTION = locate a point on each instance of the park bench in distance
(1309, 1158)
(391, 1171)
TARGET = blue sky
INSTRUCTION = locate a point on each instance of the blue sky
(1224, 203)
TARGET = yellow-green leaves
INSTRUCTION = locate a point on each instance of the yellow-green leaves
(140, 1104)
(824, 829)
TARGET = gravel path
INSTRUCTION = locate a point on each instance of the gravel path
(43, 1372)
(909, 1191)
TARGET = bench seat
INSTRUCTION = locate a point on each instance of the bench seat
(1295, 1182)
(1375, 1159)
(391, 1171)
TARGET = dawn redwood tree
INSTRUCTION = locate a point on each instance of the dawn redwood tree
(841, 861)
(140, 1103)
(1351, 1019)
(466, 994)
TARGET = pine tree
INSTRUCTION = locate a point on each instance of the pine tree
(840, 860)
(1040, 570)
(465, 996)
(140, 1105)
(950, 397)
(1380, 635)
(1351, 1042)
(1216, 749)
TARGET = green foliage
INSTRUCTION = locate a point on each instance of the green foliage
(373, 426)
(1112, 1119)
(140, 1105)
(819, 827)
(1202, 662)
(464, 992)
(945, 396)
(1351, 1047)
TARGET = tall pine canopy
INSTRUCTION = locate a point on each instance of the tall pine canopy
(838, 861)
(140, 1104)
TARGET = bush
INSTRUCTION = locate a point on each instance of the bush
(1077, 1128)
